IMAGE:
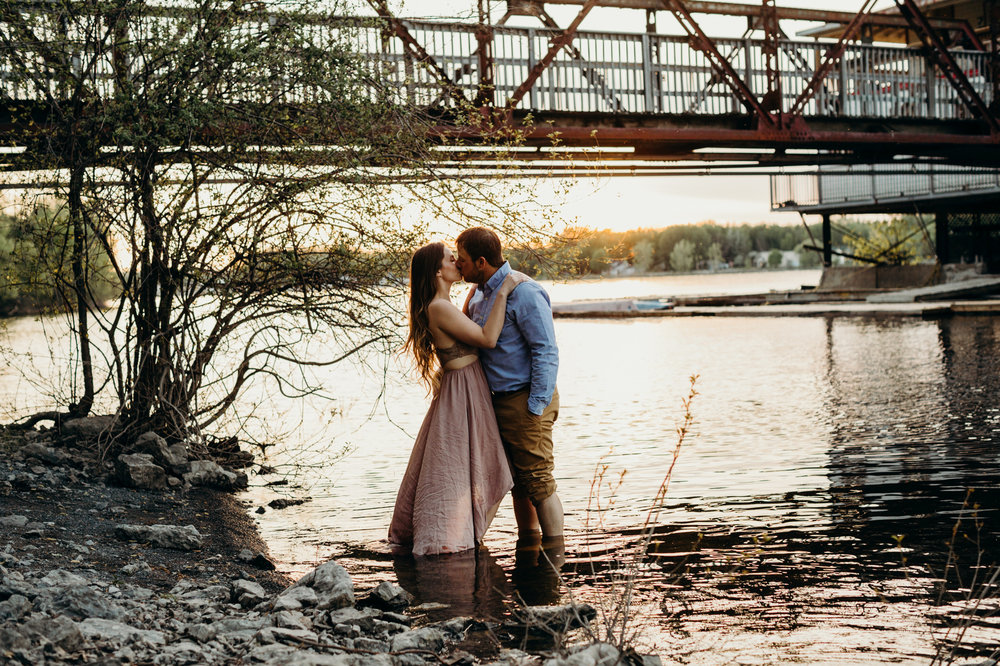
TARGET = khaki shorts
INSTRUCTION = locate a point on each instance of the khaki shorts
(528, 441)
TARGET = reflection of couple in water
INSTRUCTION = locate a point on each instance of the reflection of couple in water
(472, 583)
(491, 367)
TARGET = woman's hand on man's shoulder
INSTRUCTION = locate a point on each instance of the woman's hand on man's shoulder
(511, 281)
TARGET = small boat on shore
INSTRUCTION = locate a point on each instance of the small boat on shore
(653, 304)
(617, 305)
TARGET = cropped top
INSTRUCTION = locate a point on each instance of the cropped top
(457, 350)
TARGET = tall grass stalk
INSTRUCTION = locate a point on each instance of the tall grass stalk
(980, 591)
(616, 609)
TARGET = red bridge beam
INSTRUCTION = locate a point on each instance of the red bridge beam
(902, 142)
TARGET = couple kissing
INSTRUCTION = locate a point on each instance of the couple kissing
(491, 368)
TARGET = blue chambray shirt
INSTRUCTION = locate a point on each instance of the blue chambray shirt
(526, 353)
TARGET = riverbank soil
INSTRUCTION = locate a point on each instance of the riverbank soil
(72, 514)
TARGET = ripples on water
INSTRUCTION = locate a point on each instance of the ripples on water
(819, 443)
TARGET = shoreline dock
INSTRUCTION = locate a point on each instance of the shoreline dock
(790, 308)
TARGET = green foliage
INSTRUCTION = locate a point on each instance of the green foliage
(774, 258)
(709, 245)
(714, 254)
(682, 256)
(808, 258)
(642, 255)
(35, 275)
(896, 241)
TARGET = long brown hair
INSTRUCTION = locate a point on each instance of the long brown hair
(423, 269)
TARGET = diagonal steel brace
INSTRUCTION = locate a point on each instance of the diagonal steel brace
(557, 43)
(830, 58)
(944, 60)
(699, 40)
(418, 52)
(591, 74)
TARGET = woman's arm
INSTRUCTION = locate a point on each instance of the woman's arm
(450, 319)
(468, 299)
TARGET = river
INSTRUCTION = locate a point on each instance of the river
(809, 514)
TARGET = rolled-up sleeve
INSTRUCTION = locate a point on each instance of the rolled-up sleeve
(533, 314)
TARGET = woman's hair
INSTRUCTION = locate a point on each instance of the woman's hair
(482, 242)
(423, 269)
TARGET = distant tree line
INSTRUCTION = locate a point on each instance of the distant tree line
(711, 246)
(36, 276)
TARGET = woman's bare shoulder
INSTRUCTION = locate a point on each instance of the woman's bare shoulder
(440, 307)
(441, 303)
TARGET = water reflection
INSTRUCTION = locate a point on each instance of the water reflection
(912, 417)
(821, 440)
(537, 564)
(470, 583)
(474, 583)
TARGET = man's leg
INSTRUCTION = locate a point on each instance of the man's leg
(526, 516)
(550, 516)
(528, 440)
(550, 509)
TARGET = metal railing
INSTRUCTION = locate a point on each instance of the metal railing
(662, 74)
(631, 73)
(832, 185)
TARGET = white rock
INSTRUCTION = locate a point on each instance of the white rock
(289, 620)
(109, 630)
(137, 470)
(14, 608)
(294, 598)
(42, 452)
(202, 633)
(209, 473)
(164, 536)
(332, 584)
(425, 638)
(390, 596)
(65, 633)
(247, 593)
(172, 457)
(90, 427)
(13, 521)
(350, 615)
(136, 568)
(285, 635)
(596, 654)
(61, 578)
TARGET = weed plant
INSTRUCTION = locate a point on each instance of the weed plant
(616, 609)
(977, 592)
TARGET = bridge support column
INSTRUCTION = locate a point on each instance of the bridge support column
(827, 241)
(941, 237)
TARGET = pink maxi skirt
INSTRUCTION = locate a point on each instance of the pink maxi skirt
(457, 471)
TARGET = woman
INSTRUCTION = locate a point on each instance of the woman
(458, 472)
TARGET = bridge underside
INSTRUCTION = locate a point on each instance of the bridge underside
(734, 139)
(662, 143)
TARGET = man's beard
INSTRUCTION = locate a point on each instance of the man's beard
(474, 277)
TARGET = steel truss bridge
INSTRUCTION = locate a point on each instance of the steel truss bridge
(656, 103)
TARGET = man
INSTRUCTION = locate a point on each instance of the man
(521, 373)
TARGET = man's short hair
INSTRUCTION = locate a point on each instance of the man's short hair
(482, 242)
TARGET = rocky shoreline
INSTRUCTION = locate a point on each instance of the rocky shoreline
(154, 561)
